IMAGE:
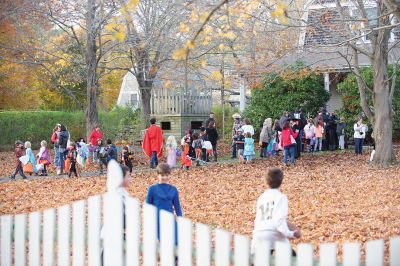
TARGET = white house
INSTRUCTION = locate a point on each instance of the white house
(129, 94)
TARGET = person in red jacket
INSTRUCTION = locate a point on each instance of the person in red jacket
(153, 142)
(288, 142)
(93, 140)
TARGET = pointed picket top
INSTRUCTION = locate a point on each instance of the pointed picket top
(114, 176)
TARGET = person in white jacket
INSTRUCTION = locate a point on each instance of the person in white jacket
(271, 224)
(360, 130)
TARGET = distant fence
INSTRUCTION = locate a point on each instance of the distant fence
(73, 234)
(170, 102)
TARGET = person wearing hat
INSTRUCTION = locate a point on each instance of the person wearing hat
(237, 124)
(19, 146)
(340, 132)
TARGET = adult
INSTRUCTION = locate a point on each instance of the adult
(340, 132)
(271, 223)
(298, 114)
(94, 139)
(210, 119)
(54, 140)
(283, 119)
(287, 142)
(296, 126)
(360, 130)
(247, 127)
(265, 136)
(237, 124)
(62, 147)
(153, 142)
(212, 134)
(331, 136)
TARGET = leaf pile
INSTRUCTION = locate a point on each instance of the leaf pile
(335, 197)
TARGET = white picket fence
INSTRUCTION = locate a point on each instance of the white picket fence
(73, 234)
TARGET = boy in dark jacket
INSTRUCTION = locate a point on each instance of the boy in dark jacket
(127, 158)
(18, 164)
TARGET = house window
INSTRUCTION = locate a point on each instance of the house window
(196, 124)
(372, 14)
(134, 99)
(166, 125)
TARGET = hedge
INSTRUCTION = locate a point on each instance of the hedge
(35, 126)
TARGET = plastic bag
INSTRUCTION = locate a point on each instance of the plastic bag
(24, 159)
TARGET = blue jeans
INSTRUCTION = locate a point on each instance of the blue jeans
(56, 158)
(358, 145)
(154, 159)
(289, 149)
(61, 155)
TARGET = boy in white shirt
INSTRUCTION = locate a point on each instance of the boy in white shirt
(271, 222)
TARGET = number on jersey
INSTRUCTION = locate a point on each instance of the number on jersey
(266, 210)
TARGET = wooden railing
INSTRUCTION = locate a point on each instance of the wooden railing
(75, 233)
(177, 102)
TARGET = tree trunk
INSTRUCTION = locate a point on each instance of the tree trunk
(145, 101)
(91, 115)
(383, 126)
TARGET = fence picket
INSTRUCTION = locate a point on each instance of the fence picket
(395, 251)
(63, 231)
(149, 235)
(34, 238)
(112, 229)
(132, 212)
(242, 250)
(167, 238)
(5, 249)
(327, 254)
(49, 220)
(283, 253)
(94, 214)
(203, 245)
(374, 253)
(222, 247)
(305, 254)
(261, 257)
(351, 254)
(20, 240)
(78, 233)
(184, 242)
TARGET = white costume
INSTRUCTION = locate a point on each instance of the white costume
(271, 219)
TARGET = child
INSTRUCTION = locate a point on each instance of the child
(271, 222)
(248, 152)
(239, 140)
(18, 164)
(186, 162)
(127, 158)
(197, 146)
(100, 154)
(164, 196)
(83, 153)
(171, 147)
(72, 156)
(319, 133)
(309, 131)
(29, 153)
(44, 157)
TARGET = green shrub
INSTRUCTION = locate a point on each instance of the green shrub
(36, 126)
(351, 100)
(297, 87)
(229, 111)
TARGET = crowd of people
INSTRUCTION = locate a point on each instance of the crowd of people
(292, 134)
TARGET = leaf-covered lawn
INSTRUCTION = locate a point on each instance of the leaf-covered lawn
(332, 197)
